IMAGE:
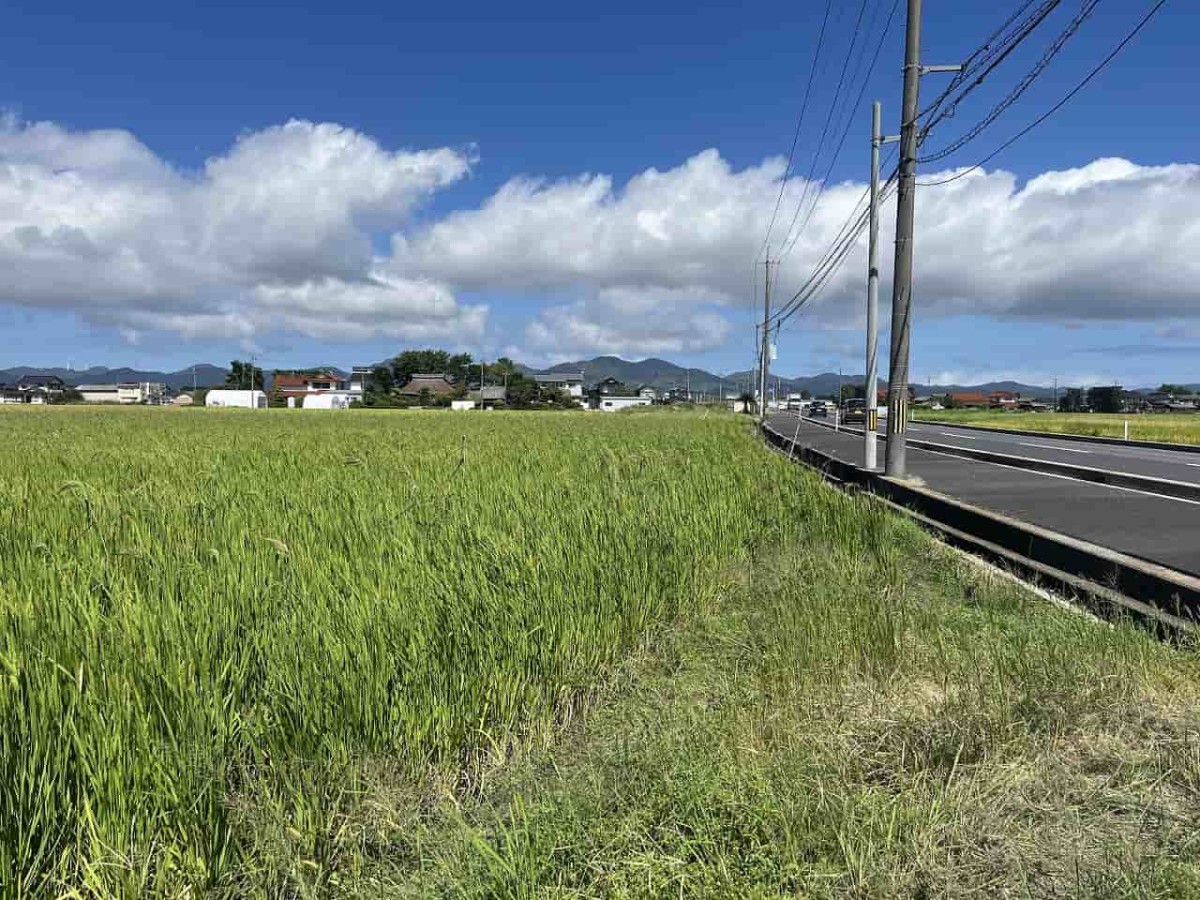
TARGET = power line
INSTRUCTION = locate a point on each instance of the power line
(799, 123)
(835, 264)
(844, 243)
(1023, 85)
(828, 119)
(787, 249)
(1060, 104)
(986, 57)
(847, 226)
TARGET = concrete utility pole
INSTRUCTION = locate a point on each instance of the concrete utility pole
(896, 457)
(870, 391)
(765, 364)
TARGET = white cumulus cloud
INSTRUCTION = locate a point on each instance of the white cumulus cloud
(276, 234)
(1109, 240)
(283, 233)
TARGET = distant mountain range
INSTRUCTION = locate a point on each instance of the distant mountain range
(205, 375)
(659, 373)
(663, 374)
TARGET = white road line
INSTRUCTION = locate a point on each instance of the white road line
(1193, 465)
(955, 434)
(1047, 447)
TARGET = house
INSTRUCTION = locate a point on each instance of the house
(1160, 401)
(570, 383)
(613, 403)
(35, 389)
(647, 391)
(44, 386)
(141, 392)
(1004, 400)
(489, 396)
(609, 386)
(967, 400)
(438, 385)
(301, 384)
(9, 394)
(361, 378)
(183, 400)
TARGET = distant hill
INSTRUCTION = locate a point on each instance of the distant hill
(664, 374)
(205, 375)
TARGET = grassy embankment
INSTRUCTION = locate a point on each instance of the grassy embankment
(1179, 428)
(293, 654)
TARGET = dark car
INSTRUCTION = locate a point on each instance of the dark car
(854, 412)
(818, 408)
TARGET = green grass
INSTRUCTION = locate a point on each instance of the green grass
(515, 655)
(1179, 428)
(869, 716)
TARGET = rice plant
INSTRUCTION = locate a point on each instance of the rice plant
(207, 611)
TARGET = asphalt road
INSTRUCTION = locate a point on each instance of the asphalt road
(1161, 529)
(1175, 465)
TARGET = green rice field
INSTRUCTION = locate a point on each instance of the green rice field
(207, 610)
(288, 654)
(1179, 428)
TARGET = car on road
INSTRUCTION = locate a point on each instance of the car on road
(818, 408)
(854, 412)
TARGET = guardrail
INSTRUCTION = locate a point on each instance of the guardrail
(1105, 580)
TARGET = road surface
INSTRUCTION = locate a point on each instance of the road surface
(1174, 465)
(1160, 529)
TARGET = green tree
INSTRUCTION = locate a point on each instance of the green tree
(503, 367)
(1072, 401)
(244, 375)
(381, 381)
(1107, 399)
(436, 362)
(1173, 389)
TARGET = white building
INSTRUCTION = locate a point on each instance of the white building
(570, 383)
(127, 392)
(329, 400)
(99, 393)
(236, 399)
(613, 403)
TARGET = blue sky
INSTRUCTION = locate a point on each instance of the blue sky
(554, 93)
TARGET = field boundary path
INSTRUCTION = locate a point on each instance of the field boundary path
(1113, 543)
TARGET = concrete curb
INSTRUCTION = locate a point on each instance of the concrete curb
(1099, 575)
(1118, 442)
